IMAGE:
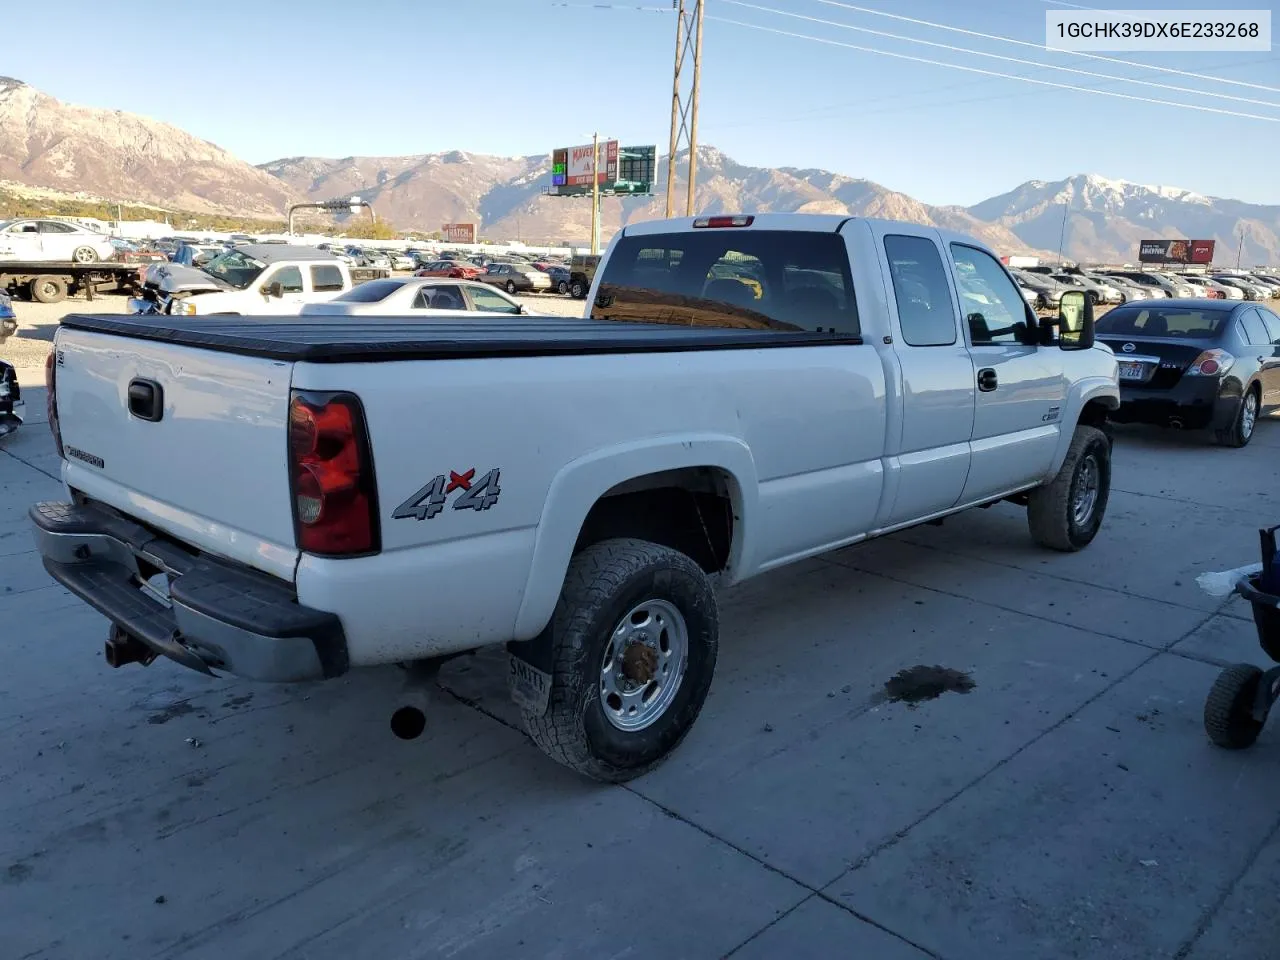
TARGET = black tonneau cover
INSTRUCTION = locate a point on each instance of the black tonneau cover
(360, 340)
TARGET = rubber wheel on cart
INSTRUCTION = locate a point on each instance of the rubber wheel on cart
(48, 289)
(511, 287)
(578, 290)
(1241, 430)
(635, 634)
(1065, 513)
(85, 255)
(1228, 716)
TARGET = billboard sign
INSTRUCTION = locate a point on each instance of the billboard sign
(459, 232)
(623, 170)
(581, 162)
(1175, 251)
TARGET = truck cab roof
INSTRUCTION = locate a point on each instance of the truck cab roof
(277, 252)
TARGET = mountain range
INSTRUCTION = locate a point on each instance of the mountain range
(124, 157)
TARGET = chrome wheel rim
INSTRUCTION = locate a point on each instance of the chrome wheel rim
(643, 665)
(1249, 415)
(1088, 482)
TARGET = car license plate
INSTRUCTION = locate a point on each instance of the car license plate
(1131, 370)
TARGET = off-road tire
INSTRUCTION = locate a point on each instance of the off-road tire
(1228, 719)
(48, 289)
(1237, 435)
(603, 583)
(84, 255)
(1050, 508)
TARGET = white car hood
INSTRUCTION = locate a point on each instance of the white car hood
(175, 278)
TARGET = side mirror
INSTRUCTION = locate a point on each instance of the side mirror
(1075, 321)
(273, 289)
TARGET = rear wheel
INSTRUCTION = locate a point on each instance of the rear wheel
(511, 287)
(634, 635)
(1241, 430)
(562, 287)
(85, 255)
(48, 289)
(1228, 711)
(1065, 513)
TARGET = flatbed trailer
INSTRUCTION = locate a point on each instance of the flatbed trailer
(53, 281)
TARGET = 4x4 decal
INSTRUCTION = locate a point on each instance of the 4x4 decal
(430, 500)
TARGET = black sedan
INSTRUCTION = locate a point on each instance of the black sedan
(1195, 364)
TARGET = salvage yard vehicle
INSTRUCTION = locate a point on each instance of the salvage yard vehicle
(410, 296)
(11, 403)
(1195, 364)
(36, 240)
(572, 488)
(251, 279)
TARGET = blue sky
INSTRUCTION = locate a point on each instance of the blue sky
(277, 78)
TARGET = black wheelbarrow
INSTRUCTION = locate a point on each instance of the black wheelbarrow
(1243, 695)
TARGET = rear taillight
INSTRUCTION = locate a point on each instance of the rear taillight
(723, 221)
(335, 502)
(51, 398)
(1211, 363)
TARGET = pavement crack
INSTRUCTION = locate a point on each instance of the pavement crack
(1206, 920)
(28, 463)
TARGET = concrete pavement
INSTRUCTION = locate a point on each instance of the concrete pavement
(1067, 806)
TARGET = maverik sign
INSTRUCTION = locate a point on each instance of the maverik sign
(580, 163)
(1175, 251)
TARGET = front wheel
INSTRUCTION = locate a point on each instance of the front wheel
(562, 287)
(1065, 513)
(511, 287)
(578, 289)
(85, 255)
(1241, 430)
(634, 639)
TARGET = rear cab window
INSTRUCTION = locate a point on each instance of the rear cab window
(371, 292)
(781, 280)
(1190, 324)
(326, 277)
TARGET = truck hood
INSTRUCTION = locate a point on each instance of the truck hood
(174, 278)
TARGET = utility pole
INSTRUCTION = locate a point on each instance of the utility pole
(1062, 234)
(595, 193)
(1240, 248)
(684, 104)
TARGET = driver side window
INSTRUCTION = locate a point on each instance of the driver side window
(992, 305)
(289, 278)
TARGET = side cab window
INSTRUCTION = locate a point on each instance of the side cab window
(990, 302)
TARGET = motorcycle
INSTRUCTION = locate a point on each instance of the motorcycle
(11, 403)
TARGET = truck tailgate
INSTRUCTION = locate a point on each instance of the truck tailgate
(210, 464)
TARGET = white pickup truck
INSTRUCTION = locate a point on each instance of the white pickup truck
(287, 501)
(263, 279)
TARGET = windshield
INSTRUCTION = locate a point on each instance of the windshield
(727, 277)
(234, 267)
(1156, 322)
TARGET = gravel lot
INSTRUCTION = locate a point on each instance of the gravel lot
(1068, 806)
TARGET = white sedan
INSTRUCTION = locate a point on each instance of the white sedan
(43, 240)
(416, 296)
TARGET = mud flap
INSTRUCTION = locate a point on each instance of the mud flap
(529, 667)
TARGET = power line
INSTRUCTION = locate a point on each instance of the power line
(996, 56)
(995, 73)
(1026, 43)
(611, 6)
(833, 110)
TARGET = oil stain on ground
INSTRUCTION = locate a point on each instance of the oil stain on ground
(917, 684)
(179, 709)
